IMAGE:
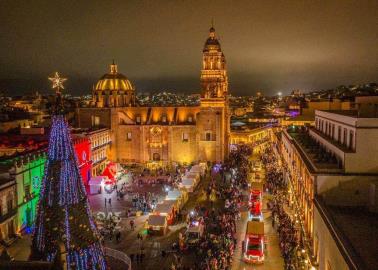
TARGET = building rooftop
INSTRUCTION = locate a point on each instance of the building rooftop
(354, 113)
(355, 231)
(12, 145)
(313, 153)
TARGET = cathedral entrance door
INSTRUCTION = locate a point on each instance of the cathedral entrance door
(156, 157)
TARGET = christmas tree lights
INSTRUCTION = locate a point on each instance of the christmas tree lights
(64, 224)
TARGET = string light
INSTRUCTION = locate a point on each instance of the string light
(63, 213)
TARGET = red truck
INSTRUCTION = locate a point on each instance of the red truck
(255, 202)
(253, 244)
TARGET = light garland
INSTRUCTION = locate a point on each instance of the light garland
(64, 215)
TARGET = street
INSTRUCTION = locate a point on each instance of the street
(273, 258)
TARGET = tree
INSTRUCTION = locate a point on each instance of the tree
(64, 224)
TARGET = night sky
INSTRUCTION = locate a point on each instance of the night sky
(269, 45)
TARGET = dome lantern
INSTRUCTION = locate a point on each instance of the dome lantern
(114, 90)
(113, 68)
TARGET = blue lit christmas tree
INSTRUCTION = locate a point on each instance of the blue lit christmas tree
(64, 224)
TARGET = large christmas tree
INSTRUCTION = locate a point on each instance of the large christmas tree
(64, 224)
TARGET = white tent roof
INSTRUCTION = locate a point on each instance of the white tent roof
(173, 194)
(188, 181)
(156, 220)
(196, 168)
(192, 174)
(96, 180)
(165, 207)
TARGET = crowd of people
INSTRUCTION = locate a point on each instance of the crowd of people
(216, 247)
(288, 234)
(144, 202)
(274, 174)
(281, 220)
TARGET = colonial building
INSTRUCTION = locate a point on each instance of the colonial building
(93, 151)
(333, 174)
(164, 135)
(82, 146)
(8, 209)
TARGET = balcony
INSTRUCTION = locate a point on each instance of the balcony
(313, 153)
(341, 147)
(99, 161)
(101, 145)
(8, 215)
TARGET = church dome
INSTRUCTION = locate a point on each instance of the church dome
(114, 81)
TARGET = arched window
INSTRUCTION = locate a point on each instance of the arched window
(156, 157)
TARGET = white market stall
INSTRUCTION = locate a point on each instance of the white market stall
(157, 223)
(188, 183)
(198, 169)
(195, 175)
(95, 185)
(168, 209)
(180, 195)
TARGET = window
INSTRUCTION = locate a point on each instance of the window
(345, 137)
(208, 136)
(351, 140)
(164, 119)
(138, 119)
(129, 136)
(27, 191)
(10, 204)
(185, 137)
(333, 131)
(339, 134)
(190, 119)
(95, 121)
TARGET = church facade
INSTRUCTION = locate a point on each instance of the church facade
(164, 135)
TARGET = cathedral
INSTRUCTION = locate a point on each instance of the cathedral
(164, 135)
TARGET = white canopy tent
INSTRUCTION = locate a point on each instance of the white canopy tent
(95, 184)
(189, 184)
(173, 194)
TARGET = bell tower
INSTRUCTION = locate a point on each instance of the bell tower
(214, 81)
(213, 121)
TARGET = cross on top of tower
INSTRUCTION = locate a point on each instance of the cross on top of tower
(212, 29)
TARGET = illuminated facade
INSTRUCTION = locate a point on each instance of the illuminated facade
(82, 147)
(164, 135)
(28, 174)
(100, 147)
(26, 170)
(8, 210)
(331, 164)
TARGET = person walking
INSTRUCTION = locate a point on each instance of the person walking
(110, 202)
(105, 202)
(132, 224)
(118, 236)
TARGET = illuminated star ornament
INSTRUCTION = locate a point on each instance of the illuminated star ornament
(57, 82)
